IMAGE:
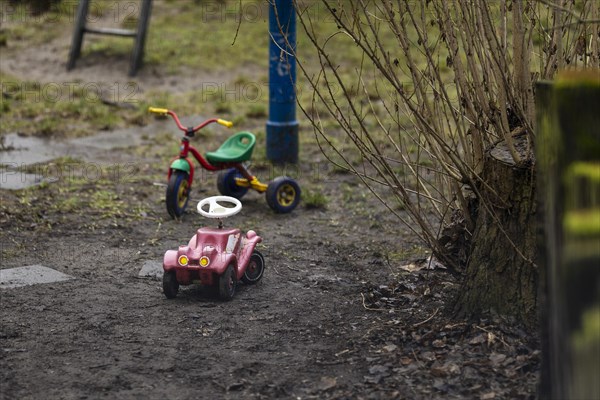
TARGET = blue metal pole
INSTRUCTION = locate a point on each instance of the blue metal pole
(282, 126)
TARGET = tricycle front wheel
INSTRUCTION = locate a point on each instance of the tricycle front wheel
(255, 269)
(178, 193)
(170, 285)
(283, 194)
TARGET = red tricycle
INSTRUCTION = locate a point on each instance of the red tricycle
(215, 256)
(234, 180)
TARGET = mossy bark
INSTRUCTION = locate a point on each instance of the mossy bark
(501, 276)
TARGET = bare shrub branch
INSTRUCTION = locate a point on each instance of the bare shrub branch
(430, 87)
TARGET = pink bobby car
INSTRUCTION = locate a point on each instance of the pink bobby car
(207, 257)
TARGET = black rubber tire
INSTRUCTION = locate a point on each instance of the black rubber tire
(170, 285)
(227, 284)
(227, 186)
(178, 193)
(283, 194)
(255, 269)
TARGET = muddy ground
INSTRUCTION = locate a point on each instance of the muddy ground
(333, 317)
(345, 310)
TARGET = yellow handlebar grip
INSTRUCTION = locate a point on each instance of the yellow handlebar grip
(161, 111)
(228, 124)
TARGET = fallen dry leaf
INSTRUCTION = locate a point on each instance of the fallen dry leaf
(479, 339)
(390, 347)
(497, 358)
(405, 360)
(327, 383)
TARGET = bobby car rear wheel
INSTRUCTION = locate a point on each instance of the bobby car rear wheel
(227, 284)
(178, 193)
(170, 285)
(255, 269)
(283, 194)
(227, 186)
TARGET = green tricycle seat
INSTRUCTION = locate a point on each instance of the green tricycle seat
(238, 148)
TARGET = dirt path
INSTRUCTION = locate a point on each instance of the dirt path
(110, 332)
(333, 317)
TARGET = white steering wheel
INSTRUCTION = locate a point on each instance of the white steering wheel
(216, 209)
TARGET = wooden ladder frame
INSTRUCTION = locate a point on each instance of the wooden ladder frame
(137, 56)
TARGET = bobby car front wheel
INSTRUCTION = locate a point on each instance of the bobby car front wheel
(283, 194)
(227, 284)
(255, 269)
(227, 185)
(170, 285)
(178, 193)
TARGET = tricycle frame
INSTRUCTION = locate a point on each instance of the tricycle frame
(282, 193)
(186, 148)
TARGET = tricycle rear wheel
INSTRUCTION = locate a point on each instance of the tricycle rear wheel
(227, 284)
(227, 185)
(255, 269)
(170, 285)
(283, 194)
(178, 191)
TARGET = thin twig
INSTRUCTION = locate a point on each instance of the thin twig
(365, 306)
(417, 358)
(572, 13)
(454, 117)
(292, 268)
(492, 333)
(237, 30)
(428, 319)
(280, 48)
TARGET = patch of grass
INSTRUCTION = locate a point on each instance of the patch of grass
(257, 111)
(107, 202)
(399, 205)
(21, 27)
(407, 254)
(32, 108)
(314, 198)
(81, 188)
(217, 36)
(68, 204)
(239, 120)
(243, 65)
(55, 167)
(130, 22)
(223, 107)
(168, 44)
(108, 47)
(352, 194)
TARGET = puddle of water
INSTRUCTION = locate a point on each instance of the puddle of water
(15, 180)
(26, 150)
(120, 139)
(30, 275)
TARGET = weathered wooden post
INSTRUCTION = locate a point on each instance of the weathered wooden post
(568, 156)
(81, 28)
(282, 126)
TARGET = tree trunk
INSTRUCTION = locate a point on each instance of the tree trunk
(501, 276)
